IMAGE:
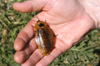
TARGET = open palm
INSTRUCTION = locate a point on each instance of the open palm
(68, 20)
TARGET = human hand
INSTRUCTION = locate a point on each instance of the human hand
(67, 18)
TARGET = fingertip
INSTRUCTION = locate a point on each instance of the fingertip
(16, 6)
(19, 56)
(19, 44)
(30, 6)
(24, 7)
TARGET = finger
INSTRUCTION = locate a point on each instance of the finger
(24, 36)
(30, 6)
(37, 56)
(45, 61)
(20, 56)
(33, 59)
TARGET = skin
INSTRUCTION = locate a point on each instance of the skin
(69, 19)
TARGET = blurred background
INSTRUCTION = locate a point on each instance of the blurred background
(85, 53)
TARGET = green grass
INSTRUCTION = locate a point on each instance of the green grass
(86, 53)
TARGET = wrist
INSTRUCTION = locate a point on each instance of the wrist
(92, 8)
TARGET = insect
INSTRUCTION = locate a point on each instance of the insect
(44, 37)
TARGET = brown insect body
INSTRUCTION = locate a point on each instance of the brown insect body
(44, 37)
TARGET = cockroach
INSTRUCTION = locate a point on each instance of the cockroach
(44, 37)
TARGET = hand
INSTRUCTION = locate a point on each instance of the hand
(67, 18)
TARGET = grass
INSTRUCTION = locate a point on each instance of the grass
(86, 53)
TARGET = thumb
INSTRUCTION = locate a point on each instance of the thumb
(29, 6)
